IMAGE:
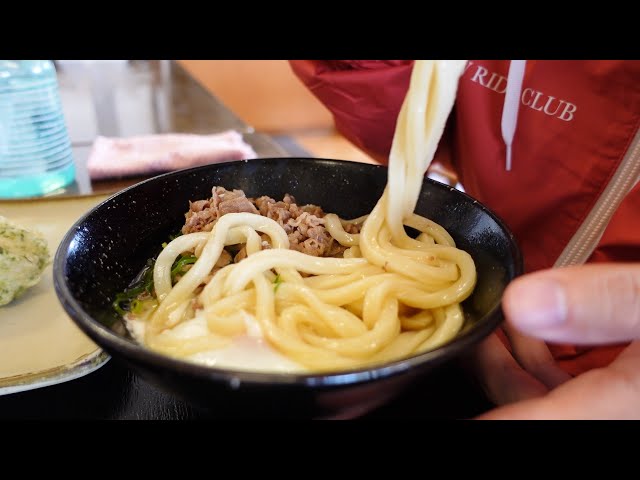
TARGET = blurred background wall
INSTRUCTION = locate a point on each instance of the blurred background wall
(267, 95)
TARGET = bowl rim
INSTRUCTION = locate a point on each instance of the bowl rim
(111, 341)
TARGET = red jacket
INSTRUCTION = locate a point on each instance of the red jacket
(576, 133)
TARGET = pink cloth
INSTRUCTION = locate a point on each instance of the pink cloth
(150, 154)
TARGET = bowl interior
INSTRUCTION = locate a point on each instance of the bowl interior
(106, 248)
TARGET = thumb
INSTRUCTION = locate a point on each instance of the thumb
(586, 304)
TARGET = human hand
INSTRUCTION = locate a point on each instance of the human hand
(590, 304)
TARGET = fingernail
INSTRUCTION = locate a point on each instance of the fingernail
(536, 302)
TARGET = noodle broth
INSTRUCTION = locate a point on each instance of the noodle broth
(323, 303)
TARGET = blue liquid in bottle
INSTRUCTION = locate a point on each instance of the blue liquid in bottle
(35, 150)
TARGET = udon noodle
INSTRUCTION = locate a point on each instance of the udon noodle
(389, 295)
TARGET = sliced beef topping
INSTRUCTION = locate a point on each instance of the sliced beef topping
(304, 225)
(203, 214)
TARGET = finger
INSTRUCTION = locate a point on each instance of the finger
(534, 356)
(611, 393)
(502, 379)
(587, 304)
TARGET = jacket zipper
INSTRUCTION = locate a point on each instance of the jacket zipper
(586, 239)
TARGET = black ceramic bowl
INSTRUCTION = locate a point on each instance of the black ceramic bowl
(105, 249)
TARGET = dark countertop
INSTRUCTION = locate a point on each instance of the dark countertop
(138, 97)
(114, 392)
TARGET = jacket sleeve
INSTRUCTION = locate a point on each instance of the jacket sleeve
(364, 97)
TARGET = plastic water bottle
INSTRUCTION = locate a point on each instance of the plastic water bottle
(35, 150)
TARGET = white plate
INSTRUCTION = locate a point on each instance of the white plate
(39, 344)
